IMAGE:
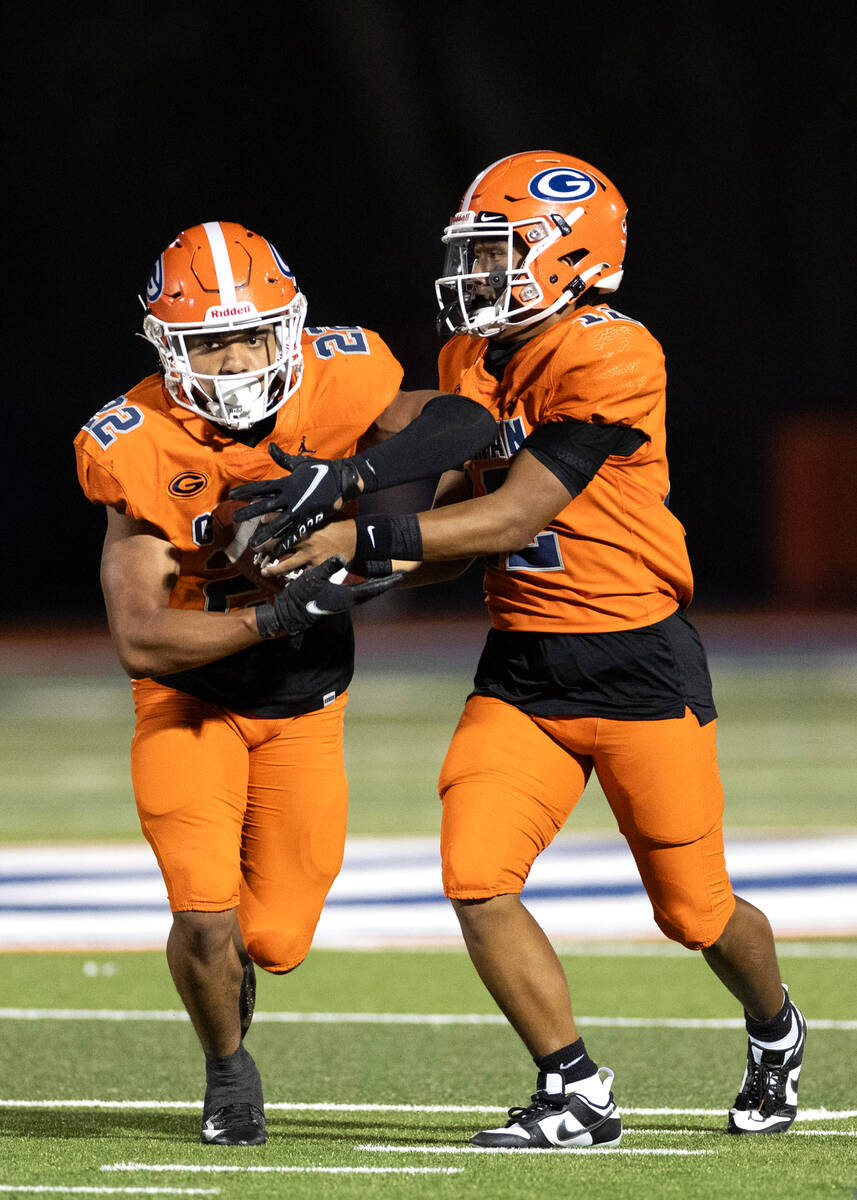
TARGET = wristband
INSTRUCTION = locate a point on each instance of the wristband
(380, 536)
(267, 623)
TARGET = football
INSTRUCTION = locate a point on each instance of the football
(233, 539)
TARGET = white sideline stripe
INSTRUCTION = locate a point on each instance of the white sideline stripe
(213, 1168)
(808, 1114)
(588, 1150)
(364, 1018)
(109, 1191)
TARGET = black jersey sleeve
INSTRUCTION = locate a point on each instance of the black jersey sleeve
(575, 451)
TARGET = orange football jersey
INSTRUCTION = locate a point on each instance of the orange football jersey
(615, 557)
(160, 463)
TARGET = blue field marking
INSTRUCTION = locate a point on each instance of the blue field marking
(559, 892)
(389, 892)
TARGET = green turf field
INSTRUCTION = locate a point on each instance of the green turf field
(786, 738)
(383, 1107)
(345, 1095)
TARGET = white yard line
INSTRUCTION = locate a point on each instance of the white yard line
(213, 1168)
(805, 1115)
(588, 1150)
(369, 1018)
(108, 1191)
(639, 1132)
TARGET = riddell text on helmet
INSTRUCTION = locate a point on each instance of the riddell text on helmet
(234, 310)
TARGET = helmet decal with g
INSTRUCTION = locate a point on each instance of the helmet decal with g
(216, 284)
(534, 232)
(562, 183)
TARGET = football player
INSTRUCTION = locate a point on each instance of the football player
(240, 688)
(591, 663)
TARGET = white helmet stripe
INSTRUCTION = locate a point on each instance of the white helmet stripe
(465, 203)
(222, 265)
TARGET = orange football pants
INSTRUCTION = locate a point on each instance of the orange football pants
(243, 811)
(510, 781)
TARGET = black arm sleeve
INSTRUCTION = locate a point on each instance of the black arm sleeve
(575, 451)
(448, 431)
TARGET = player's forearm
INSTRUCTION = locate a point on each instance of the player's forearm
(483, 525)
(425, 574)
(449, 430)
(167, 640)
(503, 520)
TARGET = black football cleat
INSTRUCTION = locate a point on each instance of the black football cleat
(559, 1121)
(235, 1125)
(247, 998)
(767, 1101)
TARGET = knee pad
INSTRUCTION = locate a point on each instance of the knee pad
(691, 929)
(278, 950)
(472, 873)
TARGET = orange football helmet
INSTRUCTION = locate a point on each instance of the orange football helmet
(220, 276)
(562, 224)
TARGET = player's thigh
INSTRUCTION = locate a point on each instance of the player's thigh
(189, 768)
(294, 833)
(661, 777)
(662, 781)
(507, 787)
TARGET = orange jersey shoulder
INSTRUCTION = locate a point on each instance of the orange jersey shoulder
(595, 365)
(163, 464)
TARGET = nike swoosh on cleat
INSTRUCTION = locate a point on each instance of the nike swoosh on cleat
(564, 1134)
(320, 472)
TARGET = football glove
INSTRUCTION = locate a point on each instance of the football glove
(313, 595)
(303, 500)
(449, 430)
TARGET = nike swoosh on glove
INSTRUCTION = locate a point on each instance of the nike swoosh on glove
(303, 500)
(312, 596)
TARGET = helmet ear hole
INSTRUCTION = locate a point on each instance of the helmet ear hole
(574, 257)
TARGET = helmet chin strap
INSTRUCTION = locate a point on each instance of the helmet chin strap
(239, 399)
(484, 316)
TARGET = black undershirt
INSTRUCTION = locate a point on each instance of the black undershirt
(497, 356)
(647, 674)
(281, 678)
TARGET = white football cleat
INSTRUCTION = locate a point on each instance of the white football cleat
(767, 1101)
(557, 1120)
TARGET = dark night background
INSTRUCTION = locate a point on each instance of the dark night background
(347, 132)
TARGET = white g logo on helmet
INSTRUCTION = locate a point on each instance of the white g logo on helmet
(562, 183)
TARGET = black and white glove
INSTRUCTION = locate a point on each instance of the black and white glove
(313, 595)
(449, 430)
(303, 500)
